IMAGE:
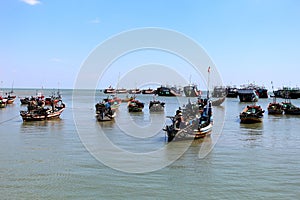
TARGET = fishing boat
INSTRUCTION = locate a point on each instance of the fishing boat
(38, 97)
(148, 91)
(104, 112)
(168, 91)
(38, 113)
(289, 108)
(114, 101)
(218, 101)
(261, 91)
(198, 127)
(54, 98)
(24, 100)
(275, 108)
(121, 91)
(287, 92)
(252, 114)
(109, 90)
(134, 91)
(219, 92)
(231, 92)
(191, 90)
(10, 99)
(3, 102)
(156, 106)
(135, 106)
(247, 95)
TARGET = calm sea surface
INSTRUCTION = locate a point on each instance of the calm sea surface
(61, 159)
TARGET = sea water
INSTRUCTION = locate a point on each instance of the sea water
(49, 160)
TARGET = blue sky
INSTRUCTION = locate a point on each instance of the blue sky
(44, 43)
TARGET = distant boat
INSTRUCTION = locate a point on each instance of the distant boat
(231, 92)
(134, 91)
(191, 90)
(135, 106)
(247, 95)
(148, 91)
(287, 92)
(251, 114)
(121, 91)
(261, 91)
(168, 91)
(219, 92)
(9, 96)
(109, 90)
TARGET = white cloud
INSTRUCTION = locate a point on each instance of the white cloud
(95, 21)
(31, 2)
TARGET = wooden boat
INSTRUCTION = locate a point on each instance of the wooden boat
(9, 96)
(38, 97)
(135, 106)
(10, 100)
(191, 90)
(168, 91)
(251, 114)
(134, 91)
(39, 113)
(247, 95)
(261, 91)
(219, 92)
(25, 100)
(114, 101)
(218, 102)
(156, 106)
(109, 90)
(275, 108)
(3, 102)
(148, 91)
(54, 98)
(287, 92)
(231, 92)
(121, 91)
(104, 112)
(290, 109)
(199, 127)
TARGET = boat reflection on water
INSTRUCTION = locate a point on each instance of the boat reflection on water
(42, 127)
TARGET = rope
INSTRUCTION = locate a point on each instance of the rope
(9, 119)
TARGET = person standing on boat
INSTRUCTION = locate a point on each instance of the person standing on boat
(108, 108)
(178, 119)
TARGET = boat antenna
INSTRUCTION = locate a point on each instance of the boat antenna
(12, 88)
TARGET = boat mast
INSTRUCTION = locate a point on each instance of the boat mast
(208, 70)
